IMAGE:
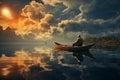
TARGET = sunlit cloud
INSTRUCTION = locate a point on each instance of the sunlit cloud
(36, 21)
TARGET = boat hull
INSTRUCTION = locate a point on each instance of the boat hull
(60, 47)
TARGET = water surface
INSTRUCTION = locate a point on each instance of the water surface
(39, 62)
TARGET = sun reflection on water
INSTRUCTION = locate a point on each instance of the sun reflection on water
(5, 71)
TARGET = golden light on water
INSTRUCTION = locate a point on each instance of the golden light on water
(21, 63)
(6, 13)
(5, 71)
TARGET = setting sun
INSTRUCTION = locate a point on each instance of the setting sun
(7, 13)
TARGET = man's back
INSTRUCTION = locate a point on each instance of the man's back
(79, 42)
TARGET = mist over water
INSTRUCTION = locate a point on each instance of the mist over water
(39, 62)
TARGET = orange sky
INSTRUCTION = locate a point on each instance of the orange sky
(8, 17)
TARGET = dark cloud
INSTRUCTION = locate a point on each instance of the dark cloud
(104, 9)
(95, 17)
(93, 26)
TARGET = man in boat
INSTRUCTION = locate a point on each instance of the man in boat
(79, 41)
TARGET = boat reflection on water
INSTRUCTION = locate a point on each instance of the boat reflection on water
(77, 51)
(80, 56)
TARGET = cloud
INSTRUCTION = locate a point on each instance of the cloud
(65, 2)
(37, 21)
(55, 18)
(35, 11)
(104, 10)
(96, 27)
(42, 23)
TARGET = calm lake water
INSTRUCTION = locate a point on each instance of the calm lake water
(38, 62)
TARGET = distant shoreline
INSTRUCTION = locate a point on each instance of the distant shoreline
(108, 43)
